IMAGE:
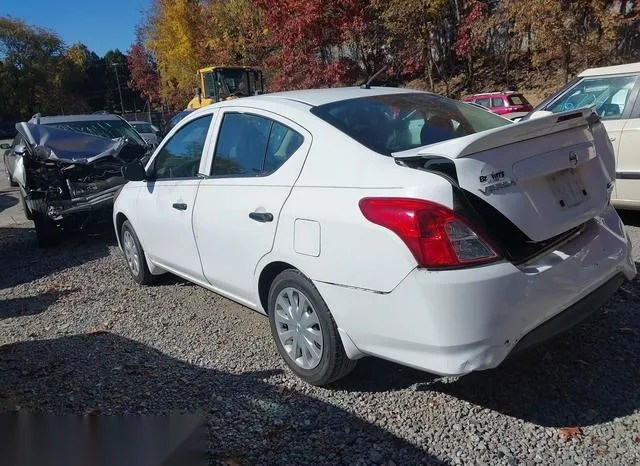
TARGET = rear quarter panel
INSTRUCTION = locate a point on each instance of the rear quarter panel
(353, 252)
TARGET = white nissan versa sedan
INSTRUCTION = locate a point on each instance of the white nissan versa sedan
(384, 222)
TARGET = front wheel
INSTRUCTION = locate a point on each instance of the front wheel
(304, 331)
(134, 254)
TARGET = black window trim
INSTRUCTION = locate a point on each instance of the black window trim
(262, 173)
(199, 176)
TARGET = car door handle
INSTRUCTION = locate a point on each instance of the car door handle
(261, 216)
(612, 139)
(180, 205)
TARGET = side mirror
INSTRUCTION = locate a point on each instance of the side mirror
(19, 149)
(134, 171)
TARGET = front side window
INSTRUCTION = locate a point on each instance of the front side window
(608, 95)
(398, 122)
(251, 145)
(484, 102)
(180, 156)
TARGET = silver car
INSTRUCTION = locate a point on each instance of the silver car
(149, 132)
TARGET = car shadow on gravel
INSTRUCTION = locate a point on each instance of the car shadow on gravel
(249, 420)
(32, 305)
(23, 261)
(589, 375)
(7, 201)
(586, 376)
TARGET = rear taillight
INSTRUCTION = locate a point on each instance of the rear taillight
(437, 237)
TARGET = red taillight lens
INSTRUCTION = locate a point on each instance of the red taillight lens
(436, 236)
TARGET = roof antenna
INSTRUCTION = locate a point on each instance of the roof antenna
(367, 85)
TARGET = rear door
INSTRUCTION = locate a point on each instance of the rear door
(257, 159)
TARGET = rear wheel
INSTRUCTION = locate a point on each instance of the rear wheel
(304, 331)
(47, 231)
(134, 254)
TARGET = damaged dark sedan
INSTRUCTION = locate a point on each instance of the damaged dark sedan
(69, 169)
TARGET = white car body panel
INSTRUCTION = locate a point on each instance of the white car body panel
(448, 322)
(455, 322)
(225, 234)
(628, 163)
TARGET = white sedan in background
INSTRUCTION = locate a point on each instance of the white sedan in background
(384, 222)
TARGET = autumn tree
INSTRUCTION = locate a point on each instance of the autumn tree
(143, 69)
(471, 35)
(32, 68)
(233, 33)
(173, 38)
(307, 41)
(565, 32)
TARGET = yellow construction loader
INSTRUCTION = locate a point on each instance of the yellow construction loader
(219, 83)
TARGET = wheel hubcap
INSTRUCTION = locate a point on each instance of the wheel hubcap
(131, 252)
(298, 328)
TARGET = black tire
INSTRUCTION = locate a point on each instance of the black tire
(334, 363)
(47, 232)
(25, 207)
(141, 275)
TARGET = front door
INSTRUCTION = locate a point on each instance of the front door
(628, 163)
(257, 158)
(165, 204)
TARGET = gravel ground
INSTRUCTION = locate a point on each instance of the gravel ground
(78, 336)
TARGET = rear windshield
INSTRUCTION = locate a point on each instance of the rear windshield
(111, 129)
(399, 122)
(517, 100)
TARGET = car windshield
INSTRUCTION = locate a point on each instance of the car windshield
(399, 122)
(142, 127)
(608, 95)
(111, 129)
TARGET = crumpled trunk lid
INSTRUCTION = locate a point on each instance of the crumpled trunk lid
(546, 176)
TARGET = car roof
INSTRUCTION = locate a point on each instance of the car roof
(616, 69)
(73, 118)
(317, 97)
(500, 93)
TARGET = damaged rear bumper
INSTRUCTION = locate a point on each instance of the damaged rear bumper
(459, 321)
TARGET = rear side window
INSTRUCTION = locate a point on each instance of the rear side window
(251, 145)
(398, 122)
(497, 102)
(517, 100)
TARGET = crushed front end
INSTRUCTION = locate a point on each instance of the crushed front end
(67, 174)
